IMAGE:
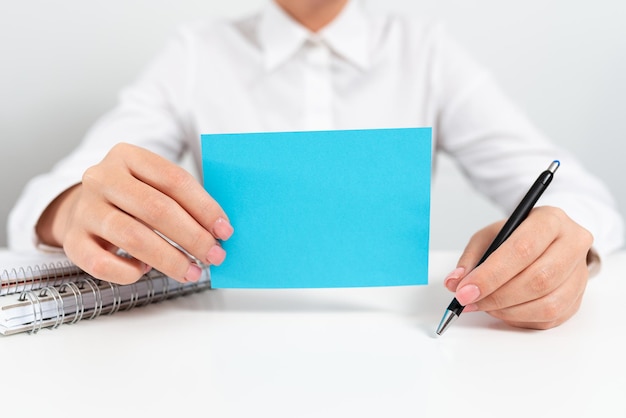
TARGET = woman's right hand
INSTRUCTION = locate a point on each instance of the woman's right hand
(120, 203)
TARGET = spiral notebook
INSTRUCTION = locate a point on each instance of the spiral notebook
(47, 291)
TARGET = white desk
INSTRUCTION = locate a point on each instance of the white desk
(323, 353)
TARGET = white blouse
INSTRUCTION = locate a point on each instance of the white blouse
(265, 72)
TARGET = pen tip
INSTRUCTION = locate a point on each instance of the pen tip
(447, 319)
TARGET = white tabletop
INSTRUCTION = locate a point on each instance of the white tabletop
(323, 353)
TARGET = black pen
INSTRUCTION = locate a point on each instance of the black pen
(517, 217)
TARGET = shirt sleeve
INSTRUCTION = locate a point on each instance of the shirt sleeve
(150, 113)
(502, 153)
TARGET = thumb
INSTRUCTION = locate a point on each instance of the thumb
(474, 250)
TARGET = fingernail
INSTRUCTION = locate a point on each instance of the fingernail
(452, 279)
(467, 294)
(216, 255)
(193, 273)
(222, 229)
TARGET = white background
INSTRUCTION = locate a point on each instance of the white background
(63, 62)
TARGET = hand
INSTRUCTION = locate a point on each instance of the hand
(535, 279)
(120, 203)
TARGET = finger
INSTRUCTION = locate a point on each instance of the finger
(157, 211)
(95, 258)
(551, 270)
(523, 247)
(177, 183)
(155, 208)
(547, 324)
(125, 232)
(472, 253)
(548, 311)
(477, 245)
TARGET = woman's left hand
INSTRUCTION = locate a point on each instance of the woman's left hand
(535, 279)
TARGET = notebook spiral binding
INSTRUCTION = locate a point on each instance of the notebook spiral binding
(21, 279)
(88, 298)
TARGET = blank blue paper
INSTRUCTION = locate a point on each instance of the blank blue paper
(322, 208)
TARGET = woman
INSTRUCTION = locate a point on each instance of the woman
(307, 65)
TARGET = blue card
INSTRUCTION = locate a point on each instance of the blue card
(322, 208)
